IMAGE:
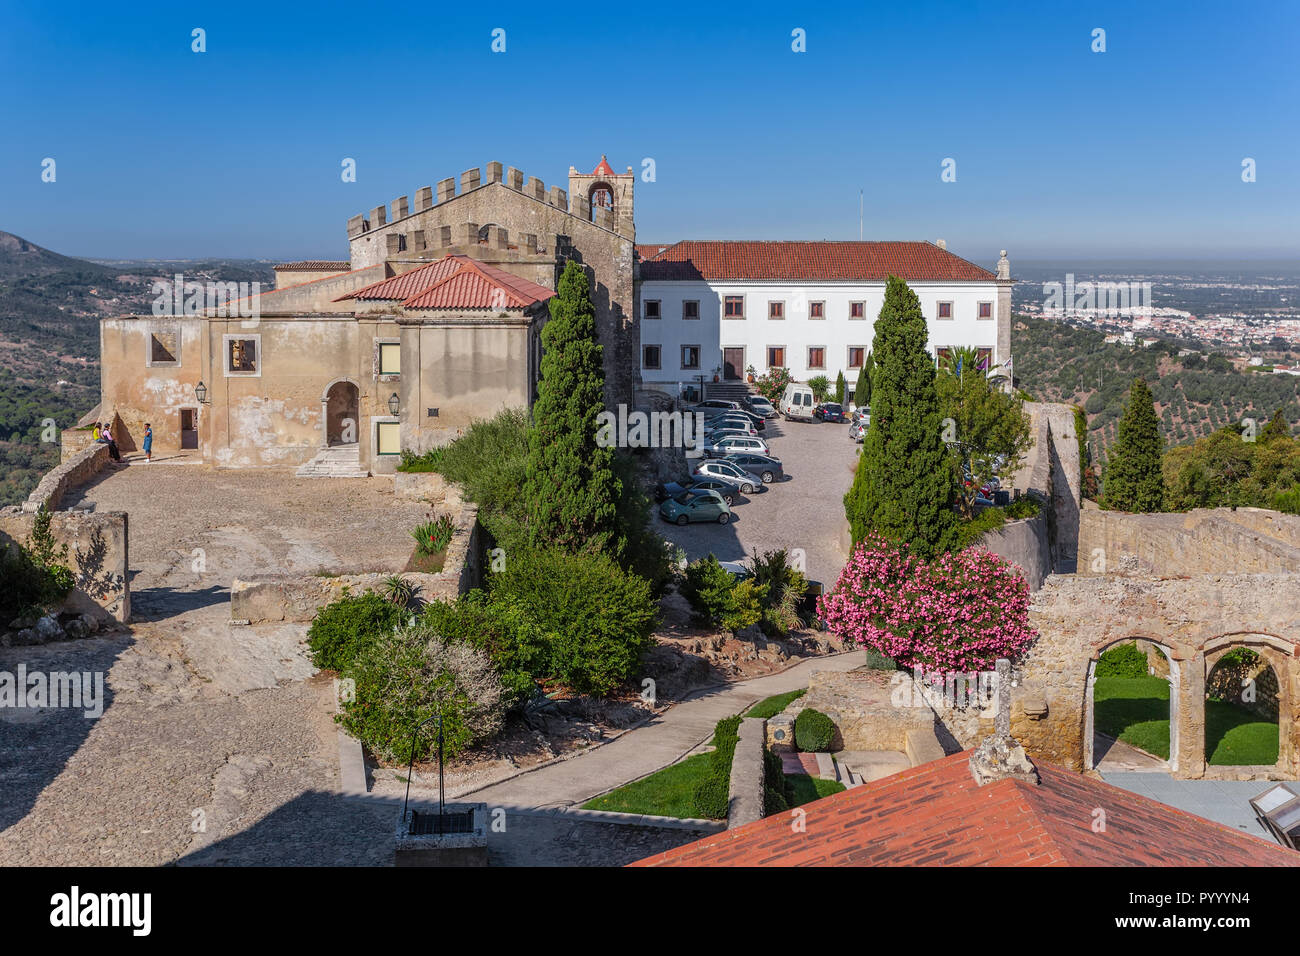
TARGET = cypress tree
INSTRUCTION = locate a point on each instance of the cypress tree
(1134, 480)
(1277, 427)
(841, 388)
(905, 486)
(862, 393)
(570, 485)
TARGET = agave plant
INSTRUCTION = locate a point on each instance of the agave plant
(399, 591)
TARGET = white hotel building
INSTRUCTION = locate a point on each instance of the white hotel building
(711, 310)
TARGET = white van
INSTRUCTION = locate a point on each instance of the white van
(797, 402)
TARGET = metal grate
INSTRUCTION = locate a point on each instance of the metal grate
(429, 824)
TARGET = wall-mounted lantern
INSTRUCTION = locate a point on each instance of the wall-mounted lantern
(201, 392)
(394, 403)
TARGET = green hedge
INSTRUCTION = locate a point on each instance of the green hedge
(813, 731)
(343, 628)
(713, 794)
(1125, 660)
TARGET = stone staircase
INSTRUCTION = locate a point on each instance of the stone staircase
(727, 391)
(337, 461)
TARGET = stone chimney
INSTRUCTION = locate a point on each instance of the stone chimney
(1001, 757)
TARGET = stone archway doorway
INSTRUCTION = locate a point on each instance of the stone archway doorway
(340, 409)
(1101, 751)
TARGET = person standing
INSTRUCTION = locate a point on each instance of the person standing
(148, 443)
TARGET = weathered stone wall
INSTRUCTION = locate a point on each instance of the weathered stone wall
(1206, 540)
(746, 786)
(1024, 543)
(66, 476)
(1051, 469)
(97, 555)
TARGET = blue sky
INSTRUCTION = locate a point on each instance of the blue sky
(162, 152)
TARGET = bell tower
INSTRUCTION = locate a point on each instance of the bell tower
(604, 197)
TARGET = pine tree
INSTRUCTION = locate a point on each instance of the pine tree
(1134, 480)
(905, 486)
(1277, 427)
(862, 393)
(841, 389)
(570, 485)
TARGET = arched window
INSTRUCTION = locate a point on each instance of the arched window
(602, 197)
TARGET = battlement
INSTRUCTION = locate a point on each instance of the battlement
(470, 180)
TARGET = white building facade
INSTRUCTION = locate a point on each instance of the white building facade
(718, 311)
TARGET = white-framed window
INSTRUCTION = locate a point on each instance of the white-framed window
(943, 310)
(816, 356)
(389, 359)
(984, 310)
(388, 436)
(857, 310)
(691, 309)
(652, 308)
(690, 356)
(241, 355)
(776, 356)
(650, 356)
(776, 310)
(164, 349)
(857, 356)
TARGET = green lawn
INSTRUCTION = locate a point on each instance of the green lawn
(1136, 710)
(774, 705)
(666, 793)
(805, 789)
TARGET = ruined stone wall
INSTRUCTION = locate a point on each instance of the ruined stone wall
(1206, 540)
(1051, 470)
(66, 476)
(97, 555)
(1024, 543)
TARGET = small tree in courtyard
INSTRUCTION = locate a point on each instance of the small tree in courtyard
(905, 486)
(570, 486)
(1133, 478)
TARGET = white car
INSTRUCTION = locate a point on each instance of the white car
(746, 482)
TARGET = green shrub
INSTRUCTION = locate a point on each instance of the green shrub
(726, 733)
(813, 731)
(432, 536)
(489, 461)
(774, 801)
(407, 675)
(1124, 660)
(34, 578)
(1288, 501)
(399, 591)
(821, 387)
(597, 618)
(712, 797)
(877, 661)
(341, 629)
(505, 630)
(781, 591)
(431, 460)
(968, 532)
(707, 588)
(776, 791)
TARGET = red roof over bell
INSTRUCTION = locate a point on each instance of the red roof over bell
(604, 168)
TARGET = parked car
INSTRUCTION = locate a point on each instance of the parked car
(858, 431)
(761, 406)
(716, 405)
(861, 415)
(724, 445)
(767, 468)
(797, 402)
(830, 412)
(671, 489)
(716, 468)
(693, 506)
(741, 416)
(731, 421)
(712, 435)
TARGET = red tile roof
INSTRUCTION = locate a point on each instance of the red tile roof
(455, 282)
(604, 169)
(831, 261)
(316, 265)
(936, 815)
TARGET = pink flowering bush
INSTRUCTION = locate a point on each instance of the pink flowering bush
(957, 613)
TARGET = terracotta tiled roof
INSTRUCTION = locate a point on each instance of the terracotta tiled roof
(604, 169)
(316, 265)
(936, 815)
(650, 250)
(866, 261)
(455, 282)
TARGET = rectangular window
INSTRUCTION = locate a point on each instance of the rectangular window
(733, 307)
(816, 310)
(984, 359)
(691, 309)
(650, 356)
(164, 349)
(242, 354)
(943, 357)
(390, 358)
(857, 356)
(388, 438)
(652, 309)
(857, 310)
(944, 310)
(690, 356)
(816, 356)
(776, 310)
(776, 356)
(985, 310)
